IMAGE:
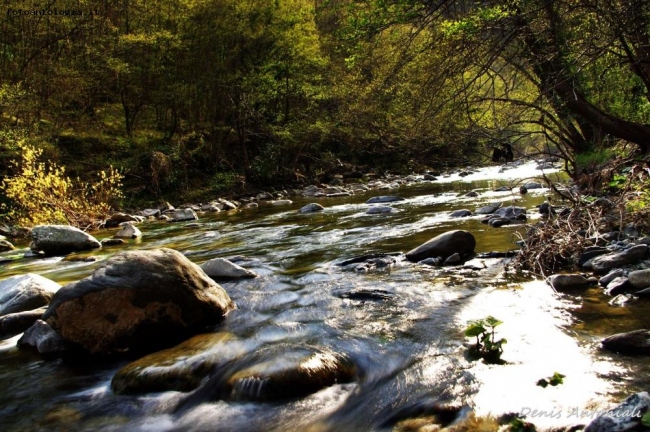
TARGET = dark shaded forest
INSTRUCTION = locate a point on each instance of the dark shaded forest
(191, 98)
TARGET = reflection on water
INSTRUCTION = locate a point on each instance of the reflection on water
(408, 344)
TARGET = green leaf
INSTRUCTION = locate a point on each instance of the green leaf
(475, 328)
(556, 379)
(645, 420)
(492, 322)
(542, 383)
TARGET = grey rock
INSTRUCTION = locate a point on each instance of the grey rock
(150, 212)
(471, 194)
(502, 189)
(182, 215)
(251, 205)
(384, 199)
(634, 342)
(488, 209)
(589, 254)
(431, 261)
(618, 286)
(533, 185)
(429, 177)
(227, 205)
(444, 245)
(497, 222)
(604, 263)
(567, 282)
(640, 278)
(16, 323)
(263, 196)
(62, 239)
(25, 292)
(128, 231)
(222, 268)
(138, 301)
(626, 416)
(43, 338)
(311, 208)
(510, 212)
(453, 260)
(644, 240)
(605, 280)
(118, 218)
(379, 210)
(460, 213)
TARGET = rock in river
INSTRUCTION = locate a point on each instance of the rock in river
(604, 263)
(221, 268)
(311, 208)
(444, 245)
(634, 342)
(181, 368)
(626, 416)
(489, 209)
(640, 278)
(181, 215)
(25, 292)
(138, 301)
(567, 282)
(16, 323)
(460, 213)
(62, 239)
(128, 231)
(384, 199)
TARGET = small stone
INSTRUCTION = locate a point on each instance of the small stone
(311, 208)
(128, 231)
(460, 213)
(113, 242)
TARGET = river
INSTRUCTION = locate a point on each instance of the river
(409, 347)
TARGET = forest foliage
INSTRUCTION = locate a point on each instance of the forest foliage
(190, 97)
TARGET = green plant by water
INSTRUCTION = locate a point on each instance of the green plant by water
(487, 346)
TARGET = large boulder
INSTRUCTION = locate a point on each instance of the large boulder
(25, 292)
(138, 301)
(221, 268)
(444, 245)
(62, 239)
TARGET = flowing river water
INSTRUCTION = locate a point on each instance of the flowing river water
(408, 346)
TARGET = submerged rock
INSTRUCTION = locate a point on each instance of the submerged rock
(460, 213)
(311, 208)
(287, 375)
(138, 301)
(181, 368)
(225, 269)
(62, 239)
(379, 210)
(25, 292)
(444, 245)
(384, 199)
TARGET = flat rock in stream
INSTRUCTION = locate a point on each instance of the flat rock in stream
(278, 373)
(384, 199)
(138, 301)
(16, 323)
(444, 245)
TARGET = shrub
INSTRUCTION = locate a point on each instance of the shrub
(41, 193)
